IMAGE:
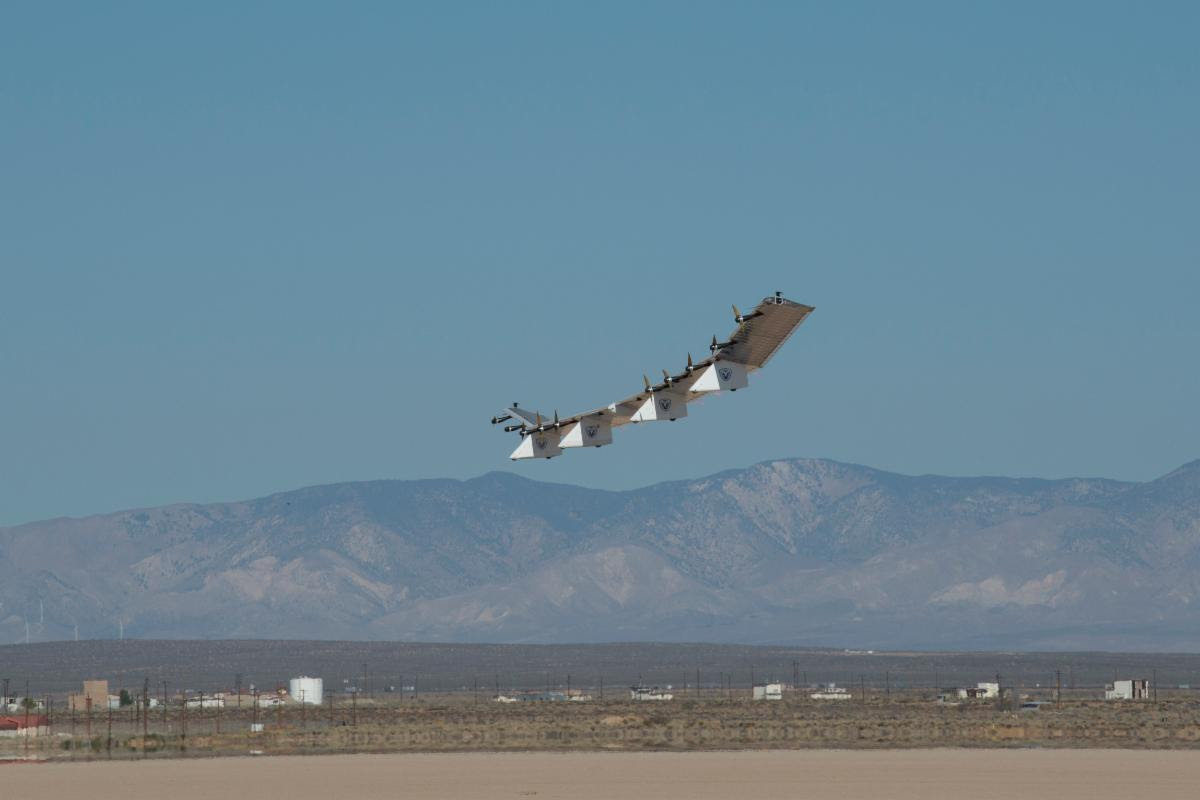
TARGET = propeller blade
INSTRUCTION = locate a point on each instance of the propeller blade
(646, 381)
(666, 376)
(689, 366)
(556, 417)
(737, 315)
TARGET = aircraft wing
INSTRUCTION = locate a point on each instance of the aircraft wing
(757, 337)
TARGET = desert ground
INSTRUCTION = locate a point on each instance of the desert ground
(713, 721)
(841, 774)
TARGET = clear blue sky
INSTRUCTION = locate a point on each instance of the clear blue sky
(249, 247)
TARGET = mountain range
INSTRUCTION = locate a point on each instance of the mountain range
(803, 552)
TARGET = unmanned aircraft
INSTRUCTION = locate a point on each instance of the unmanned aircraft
(757, 337)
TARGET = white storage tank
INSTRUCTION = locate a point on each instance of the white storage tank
(306, 690)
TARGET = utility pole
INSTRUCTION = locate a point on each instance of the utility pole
(1154, 683)
(1058, 687)
(26, 704)
(237, 682)
(887, 682)
(795, 668)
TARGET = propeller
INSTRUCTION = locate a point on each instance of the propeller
(505, 418)
(646, 381)
(689, 366)
(556, 418)
(667, 379)
(715, 346)
(740, 317)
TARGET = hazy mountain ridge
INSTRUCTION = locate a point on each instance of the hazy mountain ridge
(799, 551)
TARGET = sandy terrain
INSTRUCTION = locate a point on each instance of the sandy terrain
(842, 774)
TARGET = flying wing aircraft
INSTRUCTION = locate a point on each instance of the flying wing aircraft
(757, 337)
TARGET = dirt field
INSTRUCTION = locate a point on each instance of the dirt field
(842, 774)
(462, 724)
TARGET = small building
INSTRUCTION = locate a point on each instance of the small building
(1133, 689)
(831, 692)
(768, 691)
(215, 700)
(649, 693)
(93, 696)
(24, 725)
(981, 691)
(17, 705)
